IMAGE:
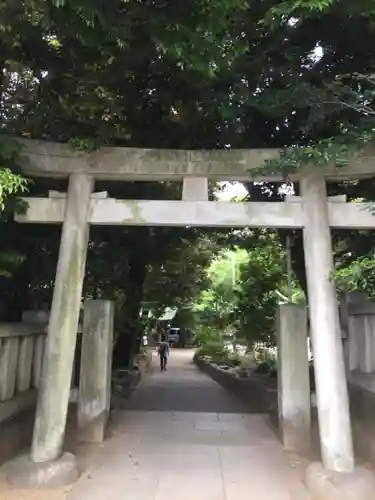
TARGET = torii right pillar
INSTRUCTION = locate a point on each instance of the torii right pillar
(337, 477)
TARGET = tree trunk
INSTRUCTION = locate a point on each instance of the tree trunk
(298, 261)
(297, 255)
(129, 340)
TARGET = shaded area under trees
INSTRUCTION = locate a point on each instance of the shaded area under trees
(194, 75)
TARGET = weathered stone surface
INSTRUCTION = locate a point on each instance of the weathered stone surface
(336, 440)
(96, 367)
(38, 359)
(361, 343)
(42, 158)
(195, 189)
(170, 213)
(8, 367)
(25, 359)
(197, 213)
(293, 378)
(95, 429)
(39, 317)
(23, 473)
(328, 485)
(20, 329)
(54, 386)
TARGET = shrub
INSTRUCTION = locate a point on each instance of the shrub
(264, 353)
(247, 361)
(265, 367)
(206, 334)
(214, 350)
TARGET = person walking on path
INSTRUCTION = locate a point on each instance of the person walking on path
(163, 354)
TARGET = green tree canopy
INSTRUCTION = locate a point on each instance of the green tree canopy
(196, 74)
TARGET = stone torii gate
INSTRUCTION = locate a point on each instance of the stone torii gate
(80, 207)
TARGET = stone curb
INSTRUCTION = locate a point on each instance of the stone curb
(249, 390)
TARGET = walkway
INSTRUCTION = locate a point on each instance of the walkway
(182, 438)
(186, 438)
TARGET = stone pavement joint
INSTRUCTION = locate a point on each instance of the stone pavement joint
(184, 437)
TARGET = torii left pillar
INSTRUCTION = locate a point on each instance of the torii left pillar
(48, 466)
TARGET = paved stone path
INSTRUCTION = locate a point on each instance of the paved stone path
(186, 438)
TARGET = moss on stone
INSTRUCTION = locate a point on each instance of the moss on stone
(136, 214)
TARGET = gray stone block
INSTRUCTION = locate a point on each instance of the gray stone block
(294, 403)
(94, 397)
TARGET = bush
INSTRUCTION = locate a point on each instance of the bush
(266, 367)
(247, 361)
(246, 364)
(206, 334)
(264, 353)
(214, 350)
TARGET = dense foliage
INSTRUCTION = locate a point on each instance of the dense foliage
(244, 287)
(192, 74)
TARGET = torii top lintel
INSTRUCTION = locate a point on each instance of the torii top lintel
(56, 160)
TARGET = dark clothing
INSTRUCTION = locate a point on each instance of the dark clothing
(163, 363)
(163, 354)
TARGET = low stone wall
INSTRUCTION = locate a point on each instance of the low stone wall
(362, 405)
(250, 390)
(21, 357)
(16, 435)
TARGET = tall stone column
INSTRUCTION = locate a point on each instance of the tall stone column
(336, 478)
(54, 390)
(330, 378)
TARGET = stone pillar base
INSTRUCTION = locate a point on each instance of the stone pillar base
(95, 431)
(329, 485)
(295, 438)
(23, 473)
